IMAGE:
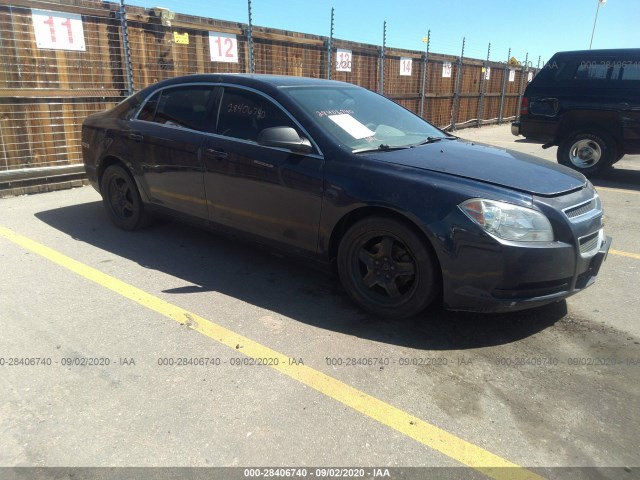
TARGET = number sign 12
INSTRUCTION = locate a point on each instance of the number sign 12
(405, 66)
(223, 47)
(58, 30)
(343, 60)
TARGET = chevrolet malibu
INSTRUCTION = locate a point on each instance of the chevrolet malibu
(407, 214)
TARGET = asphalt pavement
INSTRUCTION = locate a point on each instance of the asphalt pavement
(172, 346)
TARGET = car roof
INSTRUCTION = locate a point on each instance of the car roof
(598, 53)
(259, 81)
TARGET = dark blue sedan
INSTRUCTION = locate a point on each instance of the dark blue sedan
(405, 212)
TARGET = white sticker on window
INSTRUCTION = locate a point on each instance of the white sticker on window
(352, 126)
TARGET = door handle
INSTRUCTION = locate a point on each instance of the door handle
(135, 136)
(623, 106)
(215, 153)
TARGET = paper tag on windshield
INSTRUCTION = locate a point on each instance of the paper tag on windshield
(352, 126)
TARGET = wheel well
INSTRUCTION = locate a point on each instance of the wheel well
(355, 216)
(106, 163)
(593, 122)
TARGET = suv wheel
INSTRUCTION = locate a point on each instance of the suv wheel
(587, 152)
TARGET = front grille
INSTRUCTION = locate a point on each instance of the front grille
(584, 210)
(590, 244)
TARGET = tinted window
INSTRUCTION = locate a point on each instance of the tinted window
(592, 71)
(187, 107)
(626, 70)
(244, 114)
(149, 109)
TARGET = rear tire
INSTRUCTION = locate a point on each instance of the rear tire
(387, 269)
(588, 152)
(121, 199)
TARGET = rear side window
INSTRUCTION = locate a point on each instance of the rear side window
(627, 71)
(592, 71)
(148, 110)
(185, 107)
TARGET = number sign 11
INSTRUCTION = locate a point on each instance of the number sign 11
(223, 47)
(58, 30)
(405, 66)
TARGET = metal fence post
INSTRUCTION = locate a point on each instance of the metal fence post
(425, 66)
(381, 58)
(483, 88)
(456, 96)
(330, 46)
(525, 68)
(128, 66)
(504, 87)
(252, 67)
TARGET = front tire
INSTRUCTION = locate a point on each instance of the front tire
(588, 153)
(121, 199)
(387, 269)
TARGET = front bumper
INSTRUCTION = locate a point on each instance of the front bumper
(535, 278)
(515, 128)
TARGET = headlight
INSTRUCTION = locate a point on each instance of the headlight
(507, 221)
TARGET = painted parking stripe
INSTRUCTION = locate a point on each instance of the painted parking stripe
(619, 190)
(624, 254)
(429, 435)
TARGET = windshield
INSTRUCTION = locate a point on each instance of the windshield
(362, 120)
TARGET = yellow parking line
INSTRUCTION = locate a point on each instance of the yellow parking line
(620, 190)
(429, 435)
(624, 254)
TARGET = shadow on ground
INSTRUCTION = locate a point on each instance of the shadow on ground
(215, 263)
(618, 177)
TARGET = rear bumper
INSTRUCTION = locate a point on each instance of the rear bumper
(515, 128)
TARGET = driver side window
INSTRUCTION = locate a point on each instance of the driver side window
(245, 114)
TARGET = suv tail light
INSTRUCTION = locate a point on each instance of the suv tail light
(524, 106)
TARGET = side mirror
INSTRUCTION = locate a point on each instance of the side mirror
(284, 137)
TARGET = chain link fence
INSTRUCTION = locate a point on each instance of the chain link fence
(65, 59)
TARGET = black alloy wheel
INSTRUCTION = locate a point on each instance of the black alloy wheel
(122, 199)
(387, 269)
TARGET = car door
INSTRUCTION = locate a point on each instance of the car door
(626, 81)
(271, 192)
(168, 134)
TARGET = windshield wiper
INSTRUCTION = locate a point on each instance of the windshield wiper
(428, 140)
(383, 147)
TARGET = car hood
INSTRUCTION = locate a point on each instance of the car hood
(485, 163)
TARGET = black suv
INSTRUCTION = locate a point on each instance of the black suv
(588, 103)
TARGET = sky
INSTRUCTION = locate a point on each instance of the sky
(537, 27)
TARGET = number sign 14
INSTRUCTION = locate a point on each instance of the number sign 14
(223, 47)
(405, 66)
(58, 30)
